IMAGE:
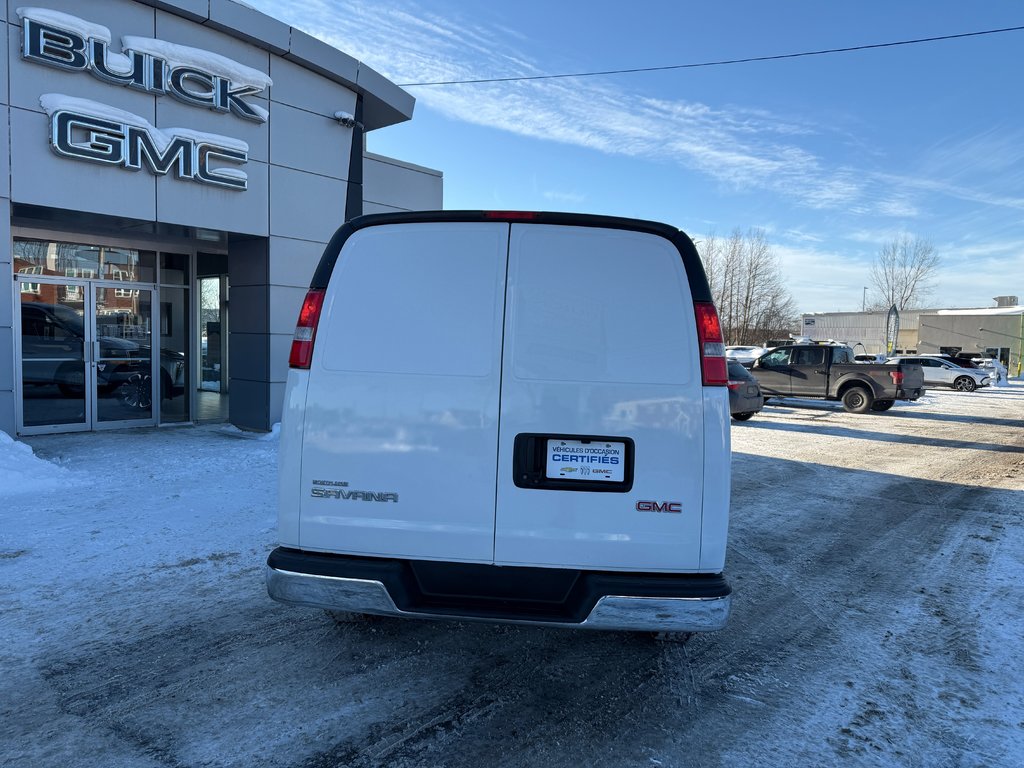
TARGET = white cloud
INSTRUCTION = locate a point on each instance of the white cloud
(954, 187)
(740, 148)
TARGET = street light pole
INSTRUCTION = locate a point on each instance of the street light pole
(864, 300)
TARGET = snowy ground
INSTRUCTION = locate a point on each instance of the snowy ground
(878, 617)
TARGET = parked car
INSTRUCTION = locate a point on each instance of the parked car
(942, 373)
(971, 358)
(996, 370)
(456, 457)
(960, 361)
(53, 353)
(744, 355)
(828, 371)
(745, 398)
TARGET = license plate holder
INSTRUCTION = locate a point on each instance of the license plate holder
(540, 461)
(589, 461)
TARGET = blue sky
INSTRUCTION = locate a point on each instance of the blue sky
(830, 155)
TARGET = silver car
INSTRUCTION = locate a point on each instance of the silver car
(942, 373)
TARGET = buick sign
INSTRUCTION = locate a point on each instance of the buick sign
(191, 75)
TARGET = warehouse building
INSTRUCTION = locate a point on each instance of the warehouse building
(996, 332)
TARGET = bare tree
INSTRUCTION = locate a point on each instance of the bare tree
(903, 272)
(747, 284)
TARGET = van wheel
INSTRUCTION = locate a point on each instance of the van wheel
(882, 405)
(858, 400)
(746, 416)
(965, 384)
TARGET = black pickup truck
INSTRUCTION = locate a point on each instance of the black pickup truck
(828, 371)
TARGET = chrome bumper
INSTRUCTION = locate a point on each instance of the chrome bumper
(620, 612)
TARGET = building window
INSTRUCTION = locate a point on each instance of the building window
(30, 287)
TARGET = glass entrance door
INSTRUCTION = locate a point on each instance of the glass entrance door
(86, 355)
(55, 339)
(125, 376)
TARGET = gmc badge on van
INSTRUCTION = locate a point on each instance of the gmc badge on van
(654, 506)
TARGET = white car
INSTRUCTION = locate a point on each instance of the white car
(510, 417)
(744, 355)
(942, 373)
(995, 369)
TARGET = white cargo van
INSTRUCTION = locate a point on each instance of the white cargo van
(507, 416)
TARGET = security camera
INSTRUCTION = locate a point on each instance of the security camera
(346, 119)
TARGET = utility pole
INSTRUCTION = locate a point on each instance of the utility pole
(864, 300)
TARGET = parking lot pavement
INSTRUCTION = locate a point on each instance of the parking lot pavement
(878, 608)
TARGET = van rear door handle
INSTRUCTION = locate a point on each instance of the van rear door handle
(821, 371)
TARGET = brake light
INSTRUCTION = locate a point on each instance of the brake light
(896, 376)
(712, 346)
(305, 330)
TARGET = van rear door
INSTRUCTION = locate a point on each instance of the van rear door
(601, 443)
(401, 416)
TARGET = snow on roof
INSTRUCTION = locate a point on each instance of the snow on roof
(186, 56)
(81, 27)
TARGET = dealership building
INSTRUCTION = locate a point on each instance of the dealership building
(994, 332)
(174, 169)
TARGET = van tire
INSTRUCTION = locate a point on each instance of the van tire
(882, 405)
(964, 384)
(745, 416)
(858, 400)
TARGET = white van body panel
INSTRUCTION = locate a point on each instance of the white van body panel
(717, 479)
(401, 418)
(599, 340)
(289, 457)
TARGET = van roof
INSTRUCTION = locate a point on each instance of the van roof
(699, 288)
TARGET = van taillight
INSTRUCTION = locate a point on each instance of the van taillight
(305, 330)
(712, 346)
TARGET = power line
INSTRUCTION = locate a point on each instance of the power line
(723, 62)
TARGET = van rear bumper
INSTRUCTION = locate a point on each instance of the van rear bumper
(550, 597)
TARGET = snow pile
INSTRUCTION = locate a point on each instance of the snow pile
(21, 471)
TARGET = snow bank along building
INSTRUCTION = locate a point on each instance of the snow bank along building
(173, 169)
(988, 331)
